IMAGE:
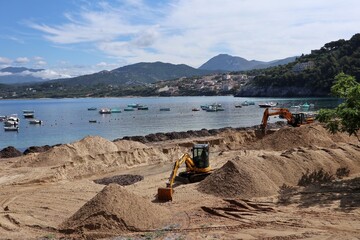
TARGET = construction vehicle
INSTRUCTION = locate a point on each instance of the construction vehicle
(197, 168)
(293, 119)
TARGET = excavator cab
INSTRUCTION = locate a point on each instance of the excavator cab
(200, 154)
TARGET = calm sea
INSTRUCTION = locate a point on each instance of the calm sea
(67, 120)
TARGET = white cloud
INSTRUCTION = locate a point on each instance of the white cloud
(22, 60)
(191, 32)
(4, 60)
(40, 63)
(46, 74)
(5, 74)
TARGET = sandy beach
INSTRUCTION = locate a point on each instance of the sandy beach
(292, 183)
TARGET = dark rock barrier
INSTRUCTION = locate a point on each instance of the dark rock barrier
(10, 152)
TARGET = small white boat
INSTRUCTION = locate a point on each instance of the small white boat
(28, 111)
(268, 104)
(11, 120)
(105, 111)
(35, 121)
(28, 115)
(11, 128)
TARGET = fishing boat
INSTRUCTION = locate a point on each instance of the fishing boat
(11, 128)
(305, 105)
(11, 120)
(92, 108)
(143, 108)
(28, 115)
(105, 111)
(133, 105)
(115, 110)
(28, 111)
(245, 103)
(35, 121)
(164, 109)
(204, 107)
(268, 104)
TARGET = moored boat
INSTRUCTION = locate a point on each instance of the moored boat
(195, 109)
(28, 115)
(115, 110)
(11, 128)
(92, 108)
(105, 111)
(268, 104)
(11, 120)
(143, 108)
(164, 109)
(35, 121)
(92, 121)
(28, 111)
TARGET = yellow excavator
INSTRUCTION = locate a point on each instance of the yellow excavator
(197, 168)
(293, 119)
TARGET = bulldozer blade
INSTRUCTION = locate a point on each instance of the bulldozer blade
(165, 194)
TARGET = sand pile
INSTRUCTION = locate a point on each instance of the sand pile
(114, 211)
(92, 155)
(262, 173)
(305, 136)
(234, 179)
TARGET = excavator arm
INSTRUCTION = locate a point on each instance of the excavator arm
(185, 158)
(283, 112)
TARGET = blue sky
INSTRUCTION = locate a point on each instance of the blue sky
(75, 37)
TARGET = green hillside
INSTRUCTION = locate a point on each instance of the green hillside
(135, 74)
(309, 75)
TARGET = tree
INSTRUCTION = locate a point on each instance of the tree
(346, 116)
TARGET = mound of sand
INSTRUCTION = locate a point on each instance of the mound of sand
(114, 211)
(305, 136)
(92, 155)
(260, 174)
(234, 179)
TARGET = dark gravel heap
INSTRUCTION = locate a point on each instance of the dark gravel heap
(123, 180)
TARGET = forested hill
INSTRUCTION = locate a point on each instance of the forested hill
(309, 75)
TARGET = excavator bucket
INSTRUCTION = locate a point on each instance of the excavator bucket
(165, 194)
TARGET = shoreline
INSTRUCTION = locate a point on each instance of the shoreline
(149, 138)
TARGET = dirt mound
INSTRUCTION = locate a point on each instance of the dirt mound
(92, 155)
(10, 152)
(305, 136)
(262, 173)
(235, 179)
(123, 180)
(114, 211)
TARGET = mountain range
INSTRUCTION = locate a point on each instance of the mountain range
(141, 73)
(225, 62)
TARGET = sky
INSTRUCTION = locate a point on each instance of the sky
(76, 37)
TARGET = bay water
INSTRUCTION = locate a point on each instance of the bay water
(67, 120)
